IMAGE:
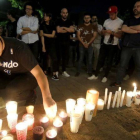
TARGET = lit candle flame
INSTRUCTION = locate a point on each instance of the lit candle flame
(44, 119)
(4, 133)
(134, 84)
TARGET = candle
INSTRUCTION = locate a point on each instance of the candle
(51, 134)
(4, 133)
(135, 90)
(118, 99)
(114, 100)
(8, 137)
(38, 133)
(135, 87)
(109, 100)
(129, 98)
(89, 109)
(105, 98)
(70, 103)
(44, 122)
(29, 119)
(100, 104)
(75, 122)
(63, 116)
(30, 109)
(58, 124)
(122, 98)
(11, 107)
(81, 101)
(80, 110)
(21, 130)
(51, 111)
(0, 124)
(137, 99)
(119, 89)
(12, 122)
(92, 97)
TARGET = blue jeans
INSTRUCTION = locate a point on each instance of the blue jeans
(126, 54)
(89, 54)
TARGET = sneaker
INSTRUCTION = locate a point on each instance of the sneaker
(55, 78)
(126, 77)
(93, 77)
(65, 74)
(114, 84)
(104, 80)
(77, 74)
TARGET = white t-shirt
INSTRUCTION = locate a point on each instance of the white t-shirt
(99, 37)
(113, 25)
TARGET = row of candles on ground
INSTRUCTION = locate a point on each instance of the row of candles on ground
(28, 124)
(75, 112)
(119, 97)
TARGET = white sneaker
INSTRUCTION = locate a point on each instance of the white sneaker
(104, 80)
(65, 74)
(126, 77)
(93, 77)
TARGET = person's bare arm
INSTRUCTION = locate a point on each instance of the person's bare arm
(60, 29)
(117, 34)
(50, 35)
(26, 29)
(42, 41)
(70, 29)
(48, 102)
(136, 27)
(93, 38)
(127, 29)
(79, 38)
(25, 32)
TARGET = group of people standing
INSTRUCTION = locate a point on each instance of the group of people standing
(55, 40)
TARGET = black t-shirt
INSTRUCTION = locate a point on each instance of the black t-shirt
(12, 29)
(48, 29)
(16, 57)
(63, 36)
(131, 40)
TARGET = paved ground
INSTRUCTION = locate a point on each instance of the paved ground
(114, 124)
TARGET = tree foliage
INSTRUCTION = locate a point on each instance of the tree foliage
(17, 4)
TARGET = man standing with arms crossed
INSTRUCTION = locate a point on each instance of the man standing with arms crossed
(131, 45)
(64, 28)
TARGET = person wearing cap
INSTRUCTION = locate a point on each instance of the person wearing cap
(111, 32)
(20, 74)
(131, 45)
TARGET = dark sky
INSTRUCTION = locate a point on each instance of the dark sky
(77, 7)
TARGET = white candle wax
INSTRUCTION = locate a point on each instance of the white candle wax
(122, 98)
(119, 89)
(137, 99)
(100, 104)
(12, 122)
(0, 124)
(81, 101)
(74, 122)
(70, 103)
(89, 109)
(114, 100)
(118, 99)
(109, 100)
(4, 133)
(80, 110)
(11, 107)
(8, 137)
(129, 98)
(30, 109)
(51, 134)
(105, 98)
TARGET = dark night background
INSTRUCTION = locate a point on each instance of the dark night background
(76, 8)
